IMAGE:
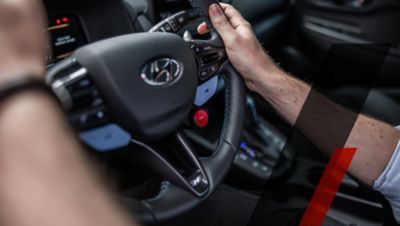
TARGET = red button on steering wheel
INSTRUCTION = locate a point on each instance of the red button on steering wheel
(201, 118)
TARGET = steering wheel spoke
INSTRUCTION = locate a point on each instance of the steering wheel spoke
(176, 161)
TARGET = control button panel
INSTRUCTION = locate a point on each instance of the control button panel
(87, 111)
(209, 56)
(175, 22)
(89, 118)
(81, 100)
(251, 160)
(205, 91)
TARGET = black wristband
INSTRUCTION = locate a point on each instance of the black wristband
(15, 86)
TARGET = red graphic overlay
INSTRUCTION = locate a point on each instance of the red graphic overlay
(328, 186)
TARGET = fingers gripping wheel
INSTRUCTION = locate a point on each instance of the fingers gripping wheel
(202, 8)
(180, 19)
(210, 54)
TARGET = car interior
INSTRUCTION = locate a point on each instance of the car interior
(168, 143)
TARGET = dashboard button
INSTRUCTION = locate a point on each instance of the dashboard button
(174, 24)
(204, 74)
(201, 118)
(106, 138)
(214, 69)
(181, 19)
(243, 157)
(255, 164)
(167, 27)
(205, 91)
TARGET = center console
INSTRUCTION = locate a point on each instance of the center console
(263, 153)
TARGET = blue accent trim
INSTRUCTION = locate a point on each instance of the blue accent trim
(106, 138)
(206, 91)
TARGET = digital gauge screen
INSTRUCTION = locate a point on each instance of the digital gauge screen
(66, 35)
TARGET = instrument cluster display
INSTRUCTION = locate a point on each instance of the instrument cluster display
(66, 35)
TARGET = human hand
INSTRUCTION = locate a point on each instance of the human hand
(22, 38)
(244, 50)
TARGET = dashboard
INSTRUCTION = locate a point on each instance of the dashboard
(73, 23)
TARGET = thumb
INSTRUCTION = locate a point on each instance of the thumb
(222, 24)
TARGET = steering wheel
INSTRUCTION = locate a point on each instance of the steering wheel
(134, 90)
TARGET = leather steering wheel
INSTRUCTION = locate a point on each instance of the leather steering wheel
(134, 90)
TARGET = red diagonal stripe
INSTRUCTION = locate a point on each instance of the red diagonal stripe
(328, 187)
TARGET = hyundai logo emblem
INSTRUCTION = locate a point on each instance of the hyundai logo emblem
(161, 72)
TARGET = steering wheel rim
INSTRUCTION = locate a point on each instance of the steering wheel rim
(177, 197)
(172, 200)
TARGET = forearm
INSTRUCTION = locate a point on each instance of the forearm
(327, 124)
(45, 177)
(375, 142)
(285, 93)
